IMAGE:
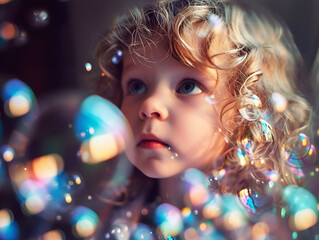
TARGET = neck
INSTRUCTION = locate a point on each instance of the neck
(172, 190)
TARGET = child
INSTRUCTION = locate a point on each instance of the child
(210, 85)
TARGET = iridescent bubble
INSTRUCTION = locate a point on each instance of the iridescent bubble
(88, 67)
(302, 207)
(169, 219)
(117, 57)
(101, 129)
(250, 108)
(7, 153)
(143, 232)
(264, 130)
(18, 98)
(195, 177)
(39, 18)
(6, 217)
(213, 208)
(298, 152)
(9, 229)
(233, 215)
(263, 192)
(120, 230)
(84, 221)
(198, 194)
(279, 102)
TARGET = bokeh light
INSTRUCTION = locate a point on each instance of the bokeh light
(302, 207)
(143, 232)
(39, 18)
(18, 98)
(101, 128)
(7, 153)
(8, 31)
(5, 1)
(169, 219)
(84, 221)
(279, 102)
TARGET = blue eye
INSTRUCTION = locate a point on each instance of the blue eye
(189, 87)
(136, 87)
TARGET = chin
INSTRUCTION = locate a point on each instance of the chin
(156, 173)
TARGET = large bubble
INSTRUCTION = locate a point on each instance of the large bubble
(46, 163)
(101, 128)
(302, 207)
(169, 220)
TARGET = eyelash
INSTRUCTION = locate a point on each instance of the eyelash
(131, 82)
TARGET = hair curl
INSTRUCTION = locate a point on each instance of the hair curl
(262, 60)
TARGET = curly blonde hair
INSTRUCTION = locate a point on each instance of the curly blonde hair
(262, 61)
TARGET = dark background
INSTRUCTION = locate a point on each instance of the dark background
(53, 57)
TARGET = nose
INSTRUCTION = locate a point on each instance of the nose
(153, 107)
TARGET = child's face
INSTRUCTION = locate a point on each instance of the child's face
(174, 128)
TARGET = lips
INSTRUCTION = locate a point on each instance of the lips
(151, 142)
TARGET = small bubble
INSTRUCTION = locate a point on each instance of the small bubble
(279, 102)
(117, 57)
(250, 108)
(39, 18)
(211, 99)
(88, 67)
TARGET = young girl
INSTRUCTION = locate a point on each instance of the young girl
(209, 85)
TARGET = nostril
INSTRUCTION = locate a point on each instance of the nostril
(155, 114)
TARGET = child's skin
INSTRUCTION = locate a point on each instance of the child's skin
(164, 102)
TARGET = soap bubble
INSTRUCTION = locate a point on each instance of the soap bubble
(101, 128)
(143, 232)
(250, 107)
(18, 98)
(84, 221)
(302, 207)
(39, 18)
(263, 192)
(298, 152)
(169, 220)
(49, 177)
(116, 58)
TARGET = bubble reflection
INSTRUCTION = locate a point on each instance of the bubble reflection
(101, 128)
(18, 98)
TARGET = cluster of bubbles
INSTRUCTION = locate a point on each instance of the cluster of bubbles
(51, 154)
(12, 33)
(55, 185)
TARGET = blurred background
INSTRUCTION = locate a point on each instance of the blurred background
(50, 45)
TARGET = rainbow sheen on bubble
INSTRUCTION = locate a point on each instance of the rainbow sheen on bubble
(263, 192)
(250, 108)
(302, 207)
(299, 153)
(84, 221)
(9, 228)
(169, 220)
(101, 128)
(18, 98)
(7, 153)
(144, 232)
